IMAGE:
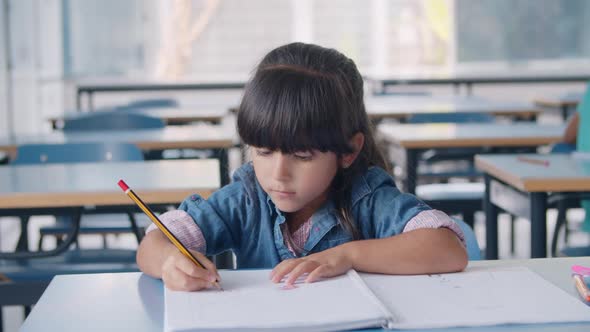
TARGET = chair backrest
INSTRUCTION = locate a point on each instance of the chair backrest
(453, 117)
(112, 121)
(473, 251)
(31, 154)
(152, 103)
(583, 137)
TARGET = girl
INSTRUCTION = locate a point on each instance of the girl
(315, 199)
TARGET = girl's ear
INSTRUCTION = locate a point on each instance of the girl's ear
(356, 142)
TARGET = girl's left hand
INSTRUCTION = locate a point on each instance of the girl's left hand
(328, 263)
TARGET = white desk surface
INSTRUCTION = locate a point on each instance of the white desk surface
(170, 115)
(134, 301)
(447, 135)
(561, 173)
(170, 137)
(67, 185)
(404, 106)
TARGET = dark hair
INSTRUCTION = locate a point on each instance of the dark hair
(306, 97)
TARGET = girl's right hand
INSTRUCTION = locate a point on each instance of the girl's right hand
(180, 273)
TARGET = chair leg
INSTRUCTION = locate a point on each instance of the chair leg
(134, 227)
(559, 223)
(469, 218)
(23, 240)
(512, 222)
(40, 244)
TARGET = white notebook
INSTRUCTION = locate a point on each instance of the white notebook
(476, 297)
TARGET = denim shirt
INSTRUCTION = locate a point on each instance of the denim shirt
(241, 217)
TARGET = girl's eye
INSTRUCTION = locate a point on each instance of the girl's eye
(262, 152)
(303, 156)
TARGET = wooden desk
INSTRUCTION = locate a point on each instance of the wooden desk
(134, 301)
(170, 115)
(402, 107)
(408, 141)
(170, 137)
(522, 188)
(118, 85)
(565, 102)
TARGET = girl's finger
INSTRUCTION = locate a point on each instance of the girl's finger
(209, 265)
(284, 268)
(321, 272)
(175, 279)
(187, 266)
(299, 270)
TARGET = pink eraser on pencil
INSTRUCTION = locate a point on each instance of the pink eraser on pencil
(123, 185)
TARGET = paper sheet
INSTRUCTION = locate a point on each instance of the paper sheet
(251, 300)
(478, 296)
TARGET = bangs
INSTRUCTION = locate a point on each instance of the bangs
(290, 109)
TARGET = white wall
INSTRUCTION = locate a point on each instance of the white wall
(37, 70)
(4, 105)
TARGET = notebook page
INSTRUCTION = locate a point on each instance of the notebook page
(475, 297)
(251, 301)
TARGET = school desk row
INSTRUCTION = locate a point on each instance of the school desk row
(378, 108)
(197, 136)
(468, 77)
(408, 141)
(135, 301)
(519, 187)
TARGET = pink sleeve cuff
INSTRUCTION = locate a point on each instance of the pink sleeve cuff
(182, 225)
(434, 219)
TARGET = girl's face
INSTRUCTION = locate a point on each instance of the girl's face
(295, 181)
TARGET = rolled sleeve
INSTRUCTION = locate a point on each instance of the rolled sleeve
(182, 225)
(434, 219)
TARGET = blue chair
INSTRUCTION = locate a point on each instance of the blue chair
(473, 250)
(452, 198)
(152, 103)
(25, 275)
(453, 117)
(31, 154)
(112, 121)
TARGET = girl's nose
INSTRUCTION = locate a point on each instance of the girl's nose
(281, 168)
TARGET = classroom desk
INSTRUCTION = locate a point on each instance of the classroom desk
(95, 184)
(565, 102)
(119, 85)
(170, 115)
(134, 301)
(68, 188)
(468, 77)
(171, 137)
(408, 141)
(522, 188)
(402, 107)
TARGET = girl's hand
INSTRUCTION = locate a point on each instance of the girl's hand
(181, 274)
(329, 263)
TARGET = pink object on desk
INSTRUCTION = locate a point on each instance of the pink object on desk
(581, 270)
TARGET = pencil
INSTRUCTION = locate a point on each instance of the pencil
(581, 287)
(533, 161)
(162, 227)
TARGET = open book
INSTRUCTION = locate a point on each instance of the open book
(478, 296)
